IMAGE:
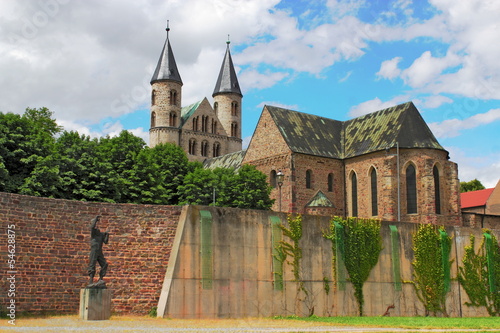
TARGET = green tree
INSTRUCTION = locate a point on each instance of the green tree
(480, 272)
(198, 188)
(24, 141)
(250, 189)
(472, 185)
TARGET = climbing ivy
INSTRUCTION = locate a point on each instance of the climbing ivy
(294, 232)
(360, 251)
(431, 247)
(480, 278)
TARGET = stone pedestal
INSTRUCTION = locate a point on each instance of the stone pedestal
(95, 304)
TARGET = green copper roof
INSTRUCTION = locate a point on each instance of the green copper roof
(314, 135)
(187, 111)
(320, 200)
(230, 161)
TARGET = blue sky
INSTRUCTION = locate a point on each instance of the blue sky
(91, 61)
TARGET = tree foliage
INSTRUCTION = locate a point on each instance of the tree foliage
(38, 158)
(472, 185)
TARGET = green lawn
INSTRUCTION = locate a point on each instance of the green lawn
(407, 322)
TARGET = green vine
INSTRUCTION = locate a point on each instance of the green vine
(480, 278)
(294, 232)
(360, 251)
(431, 246)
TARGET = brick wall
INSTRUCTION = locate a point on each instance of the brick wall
(52, 248)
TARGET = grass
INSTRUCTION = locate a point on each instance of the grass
(406, 322)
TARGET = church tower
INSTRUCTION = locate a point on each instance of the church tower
(166, 98)
(227, 102)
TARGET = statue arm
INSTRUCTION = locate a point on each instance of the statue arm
(93, 225)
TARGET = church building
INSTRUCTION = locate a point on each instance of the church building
(386, 164)
(202, 130)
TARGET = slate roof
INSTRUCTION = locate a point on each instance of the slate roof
(166, 69)
(231, 160)
(314, 135)
(227, 82)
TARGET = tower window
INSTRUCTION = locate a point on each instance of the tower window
(374, 192)
(173, 119)
(330, 182)
(153, 97)
(437, 192)
(411, 190)
(204, 148)
(153, 119)
(173, 97)
(192, 147)
(354, 194)
(234, 129)
(234, 108)
(308, 179)
(216, 107)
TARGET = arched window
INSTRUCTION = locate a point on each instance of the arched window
(153, 97)
(373, 178)
(216, 107)
(192, 147)
(272, 178)
(214, 126)
(411, 190)
(204, 148)
(437, 192)
(153, 119)
(173, 119)
(173, 97)
(234, 108)
(195, 123)
(354, 194)
(330, 182)
(308, 179)
(216, 150)
(234, 129)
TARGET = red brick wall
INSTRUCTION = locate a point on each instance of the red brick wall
(52, 249)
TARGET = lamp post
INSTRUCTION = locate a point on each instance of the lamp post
(279, 179)
(398, 175)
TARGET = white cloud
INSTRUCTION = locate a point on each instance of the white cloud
(450, 128)
(389, 69)
(293, 107)
(375, 105)
(435, 101)
(427, 69)
(485, 168)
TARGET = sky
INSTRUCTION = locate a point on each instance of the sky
(90, 62)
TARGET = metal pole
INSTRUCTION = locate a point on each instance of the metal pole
(399, 183)
(280, 199)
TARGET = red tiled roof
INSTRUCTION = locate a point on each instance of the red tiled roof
(475, 198)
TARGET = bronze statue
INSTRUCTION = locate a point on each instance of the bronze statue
(97, 239)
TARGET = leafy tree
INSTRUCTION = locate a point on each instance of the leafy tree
(198, 187)
(250, 189)
(24, 140)
(480, 276)
(472, 185)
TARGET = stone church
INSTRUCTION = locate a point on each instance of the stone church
(386, 164)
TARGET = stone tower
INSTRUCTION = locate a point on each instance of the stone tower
(227, 102)
(166, 96)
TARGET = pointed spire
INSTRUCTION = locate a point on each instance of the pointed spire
(166, 68)
(227, 81)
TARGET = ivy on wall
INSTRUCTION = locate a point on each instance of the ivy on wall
(360, 251)
(431, 267)
(480, 273)
(292, 249)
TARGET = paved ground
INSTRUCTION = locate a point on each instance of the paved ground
(141, 324)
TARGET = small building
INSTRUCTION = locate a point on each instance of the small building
(481, 208)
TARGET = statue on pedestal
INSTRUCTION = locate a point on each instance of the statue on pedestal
(97, 239)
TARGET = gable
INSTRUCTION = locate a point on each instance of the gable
(200, 109)
(320, 200)
(266, 140)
